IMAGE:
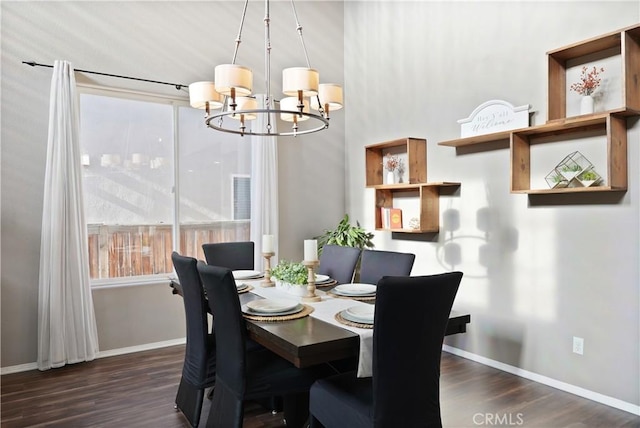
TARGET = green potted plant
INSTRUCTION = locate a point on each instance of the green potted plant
(346, 235)
(290, 276)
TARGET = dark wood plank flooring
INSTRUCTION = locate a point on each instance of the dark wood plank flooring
(138, 390)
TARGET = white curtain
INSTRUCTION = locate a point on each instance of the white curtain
(264, 186)
(66, 321)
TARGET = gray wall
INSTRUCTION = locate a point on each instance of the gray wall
(168, 41)
(537, 272)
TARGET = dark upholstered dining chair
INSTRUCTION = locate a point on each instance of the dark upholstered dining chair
(244, 376)
(410, 321)
(339, 262)
(231, 255)
(199, 368)
(375, 264)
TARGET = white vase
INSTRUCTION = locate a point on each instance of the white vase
(295, 289)
(586, 104)
(390, 177)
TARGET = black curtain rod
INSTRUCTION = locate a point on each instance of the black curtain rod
(178, 86)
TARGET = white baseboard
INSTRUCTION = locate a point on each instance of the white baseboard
(102, 354)
(576, 390)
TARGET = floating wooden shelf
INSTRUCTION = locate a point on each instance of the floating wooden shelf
(416, 159)
(615, 127)
(427, 195)
(625, 42)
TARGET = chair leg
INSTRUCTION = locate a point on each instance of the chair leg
(314, 423)
(189, 402)
(296, 409)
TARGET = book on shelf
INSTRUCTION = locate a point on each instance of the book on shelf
(395, 218)
(391, 218)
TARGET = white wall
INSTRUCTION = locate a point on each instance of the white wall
(538, 271)
(177, 42)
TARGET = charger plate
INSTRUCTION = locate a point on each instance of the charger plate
(360, 298)
(326, 284)
(245, 289)
(306, 310)
(338, 317)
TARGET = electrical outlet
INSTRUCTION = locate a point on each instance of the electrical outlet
(578, 345)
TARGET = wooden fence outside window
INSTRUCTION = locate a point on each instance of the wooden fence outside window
(117, 251)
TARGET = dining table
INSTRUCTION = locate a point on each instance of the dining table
(316, 338)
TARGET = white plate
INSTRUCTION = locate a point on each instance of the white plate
(355, 289)
(295, 310)
(246, 274)
(241, 286)
(322, 278)
(359, 314)
(362, 313)
(265, 306)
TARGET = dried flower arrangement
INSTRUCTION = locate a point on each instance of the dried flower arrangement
(390, 162)
(589, 81)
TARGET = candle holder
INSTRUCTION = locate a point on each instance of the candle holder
(311, 281)
(266, 282)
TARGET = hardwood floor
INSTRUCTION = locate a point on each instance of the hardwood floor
(138, 390)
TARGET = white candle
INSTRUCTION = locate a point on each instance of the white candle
(310, 250)
(267, 243)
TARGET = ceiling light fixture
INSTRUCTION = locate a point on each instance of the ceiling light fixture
(231, 93)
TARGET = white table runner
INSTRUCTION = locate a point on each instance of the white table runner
(326, 310)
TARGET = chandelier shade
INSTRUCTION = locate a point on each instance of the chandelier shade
(233, 93)
(231, 77)
(203, 95)
(289, 107)
(330, 97)
(247, 104)
(296, 79)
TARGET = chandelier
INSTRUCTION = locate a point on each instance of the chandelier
(229, 101)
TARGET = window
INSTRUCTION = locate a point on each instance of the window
(241, 197)
(140, 153)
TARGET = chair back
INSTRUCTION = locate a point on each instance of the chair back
(199, 344)
(231, 255)
(339, 262)
(410, 321)
(376, 264)
(229, 326)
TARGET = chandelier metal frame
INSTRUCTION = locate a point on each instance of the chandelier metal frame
(232, 108)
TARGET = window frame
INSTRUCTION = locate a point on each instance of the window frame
(175, 102)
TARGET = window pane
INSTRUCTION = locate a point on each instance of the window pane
(209, 162)
(241, 198)
(127, 156)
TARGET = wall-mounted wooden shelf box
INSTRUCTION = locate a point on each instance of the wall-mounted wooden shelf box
(625, 42)
(428, 196)
(615, 126)
(416, 159)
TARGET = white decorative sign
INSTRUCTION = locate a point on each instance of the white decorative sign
(494, 116)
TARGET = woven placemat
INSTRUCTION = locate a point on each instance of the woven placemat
(246, 289)
(327, 284)
(303, 313)
(360, 298)
(345, 321)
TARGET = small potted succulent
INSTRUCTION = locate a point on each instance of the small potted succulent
(556, 180)
(589, 178)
